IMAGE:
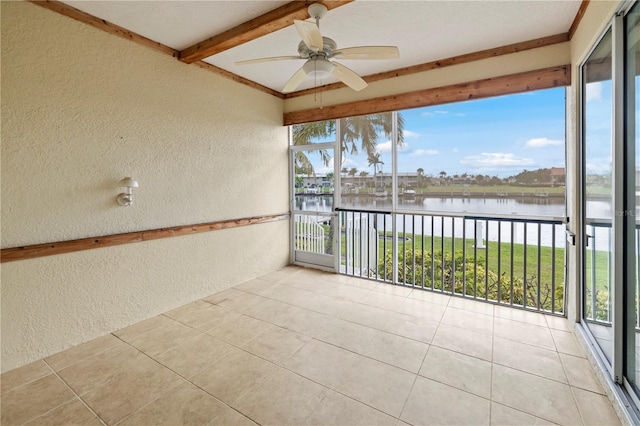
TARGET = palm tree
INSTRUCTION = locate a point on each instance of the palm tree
(364, 128)
(420, 176)
(353, 171)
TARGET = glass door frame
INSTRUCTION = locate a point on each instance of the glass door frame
(321, 261)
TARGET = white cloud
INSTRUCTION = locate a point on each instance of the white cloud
(410, 134)
(495, 159)
(386, 147)
(426, 152)
(432, 113)
(594, 91)
(543, 142)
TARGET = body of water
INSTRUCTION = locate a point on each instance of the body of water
(551, 208)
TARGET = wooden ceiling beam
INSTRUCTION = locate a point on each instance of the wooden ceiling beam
(447, 62)
(274, 20)
(496, 86)
(576, 21)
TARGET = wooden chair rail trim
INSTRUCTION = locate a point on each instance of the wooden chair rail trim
(496, 86)
(49, 249)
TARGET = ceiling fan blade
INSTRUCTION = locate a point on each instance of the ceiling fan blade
(348, 77)
(367, 52)
(274, 58)
(295, 81)
(310, 34)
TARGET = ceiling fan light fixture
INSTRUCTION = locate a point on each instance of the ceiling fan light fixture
(318, 67)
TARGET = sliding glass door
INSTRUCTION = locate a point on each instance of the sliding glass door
(597, 296)
(632, 194)
(611, 199)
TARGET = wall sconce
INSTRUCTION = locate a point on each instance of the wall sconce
(126, 198)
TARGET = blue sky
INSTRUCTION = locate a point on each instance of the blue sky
(497, 136)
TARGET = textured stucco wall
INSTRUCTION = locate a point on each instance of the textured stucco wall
(548, 56)
(80, 110)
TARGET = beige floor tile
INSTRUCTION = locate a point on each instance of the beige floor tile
(33, 399)
(362, 283)
(338, 410)
(233, 375)
(201, 315)
(303, 321)
(272, 311)
(558, 323)
(77, 353)
(471, 305)
(425, 310)
(164, 338)
(339, 278)
(141, 327)
(396, 350)
(256, 286)
(188, 310)
(566, 343)
(240, 330)
(347, 335)
(130, 390)
(280, 274)
(283, 398)
(434, 403)
(480, 323)
(223, 295)
(344, 292)
(376, 384)
(394, 289)
(460, 371)
(524, 333)
(580, 373)
(321, 362)
(183, 405)
(464, 341)
(231, 417)
(98, 369)
(416, 329)
(382, 300)
(535, 395)
(70, 414)
(430, 296)
(194, 355)
(242, 302)
(506, 416)
(530, 359)
(596, 409)
(521, 315)
(276, 344)
(23, 375)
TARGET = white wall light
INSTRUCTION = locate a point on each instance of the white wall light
(126, 198)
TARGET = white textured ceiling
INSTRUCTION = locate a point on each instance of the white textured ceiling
(424, 31)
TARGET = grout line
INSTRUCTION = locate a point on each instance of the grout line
(76, 395)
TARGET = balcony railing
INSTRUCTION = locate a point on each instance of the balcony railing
(517, 261)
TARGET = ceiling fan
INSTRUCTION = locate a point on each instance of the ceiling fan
(317, 50)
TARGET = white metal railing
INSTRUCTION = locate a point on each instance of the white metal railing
(515, 261)
(308, 234)
(361, 245)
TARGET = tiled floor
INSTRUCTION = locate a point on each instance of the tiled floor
(299, 346)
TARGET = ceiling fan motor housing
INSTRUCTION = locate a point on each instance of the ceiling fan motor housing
(328, 46)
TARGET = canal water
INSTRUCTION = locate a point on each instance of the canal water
(548, 208)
